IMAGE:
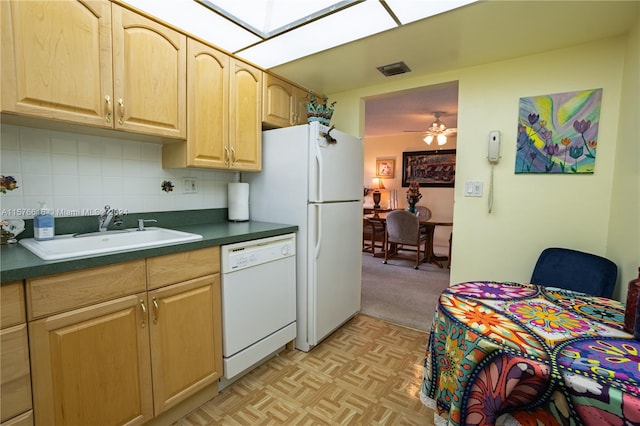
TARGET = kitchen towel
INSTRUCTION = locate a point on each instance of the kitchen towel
(238, 197)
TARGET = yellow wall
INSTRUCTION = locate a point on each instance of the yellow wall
(532, 212)
(624, 225)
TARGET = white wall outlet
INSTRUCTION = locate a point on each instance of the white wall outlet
(473, 189)
(189, 186)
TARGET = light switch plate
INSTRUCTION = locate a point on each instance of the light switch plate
(189, 186)
(473, 188)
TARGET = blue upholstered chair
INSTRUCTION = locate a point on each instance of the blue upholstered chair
(575, 270)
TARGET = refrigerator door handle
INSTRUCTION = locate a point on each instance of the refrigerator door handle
(317, 238)
(316, 187)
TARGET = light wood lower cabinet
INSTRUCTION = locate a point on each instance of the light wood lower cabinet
(184, 353)
(15, 376)
(25, 419)
(125, 360)
(91, 366)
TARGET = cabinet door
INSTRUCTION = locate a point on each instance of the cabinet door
(245, 121)
(186, 339)
(301, 99)
(91, 366)
(207, 112)
(150, 75)
(56, 60)
(277, 102)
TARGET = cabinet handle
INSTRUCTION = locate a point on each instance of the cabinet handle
(226, 155)
(121, 104)
(156, 309)
(107, 99)
(143, 323)
(233, 156)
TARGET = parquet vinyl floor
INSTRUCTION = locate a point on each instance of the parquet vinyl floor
(368, 372)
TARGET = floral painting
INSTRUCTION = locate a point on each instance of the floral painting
(558, 133)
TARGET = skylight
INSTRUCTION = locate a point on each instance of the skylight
(269, 18)
(272, 32)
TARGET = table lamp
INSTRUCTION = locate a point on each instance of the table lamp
(376, 184)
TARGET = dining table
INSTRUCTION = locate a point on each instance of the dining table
(429, 226)
(523, 354)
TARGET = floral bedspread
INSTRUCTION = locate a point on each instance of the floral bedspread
(539, 355)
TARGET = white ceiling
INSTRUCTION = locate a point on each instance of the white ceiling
(475, 34)
(272, 32)
(411, 110)
(478, 33)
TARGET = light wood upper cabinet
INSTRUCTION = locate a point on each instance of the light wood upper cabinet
(150, 68)
(283, 104)
(300, 101)
(93, 63)
(56, 60)
(224, 117)
(245, 117)
(207, 113)
(15, 375)
(278, 105)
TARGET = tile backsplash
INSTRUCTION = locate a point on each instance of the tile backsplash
(77, 175)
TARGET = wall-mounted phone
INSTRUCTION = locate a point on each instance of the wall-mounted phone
(493, 155)
(493, 152)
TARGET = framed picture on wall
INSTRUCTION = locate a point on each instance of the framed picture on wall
(429, 168)
(385, 168)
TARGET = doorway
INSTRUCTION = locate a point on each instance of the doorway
(397, 123)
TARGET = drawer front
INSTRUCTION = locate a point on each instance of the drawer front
(12, 307)
(62, 292)
(15, 379)
(25, 419)
(178, 267)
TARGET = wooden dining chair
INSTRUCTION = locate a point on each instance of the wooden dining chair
(372, 236)
(403, 228)
(423, 213)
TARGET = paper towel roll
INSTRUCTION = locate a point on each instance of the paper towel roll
(238, 197)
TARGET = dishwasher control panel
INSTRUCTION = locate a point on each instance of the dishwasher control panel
(255, 252)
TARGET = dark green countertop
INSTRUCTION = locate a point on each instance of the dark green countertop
(17, 263)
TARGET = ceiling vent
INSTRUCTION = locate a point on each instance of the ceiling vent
(394, 69)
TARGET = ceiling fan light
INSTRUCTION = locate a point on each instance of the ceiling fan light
(442, 139)
(428, 139)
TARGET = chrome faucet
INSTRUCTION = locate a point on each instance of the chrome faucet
(106, 216)
(141, 223)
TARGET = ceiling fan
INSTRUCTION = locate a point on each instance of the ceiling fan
(437, 130)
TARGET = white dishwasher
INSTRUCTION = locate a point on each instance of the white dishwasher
(258, 300)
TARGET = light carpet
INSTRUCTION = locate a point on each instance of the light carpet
(397, 293)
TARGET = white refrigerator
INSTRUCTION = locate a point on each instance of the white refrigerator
(316, 183)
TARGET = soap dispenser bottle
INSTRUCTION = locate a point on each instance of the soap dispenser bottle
(43, 224)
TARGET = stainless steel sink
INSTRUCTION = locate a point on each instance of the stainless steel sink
(68, 246)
